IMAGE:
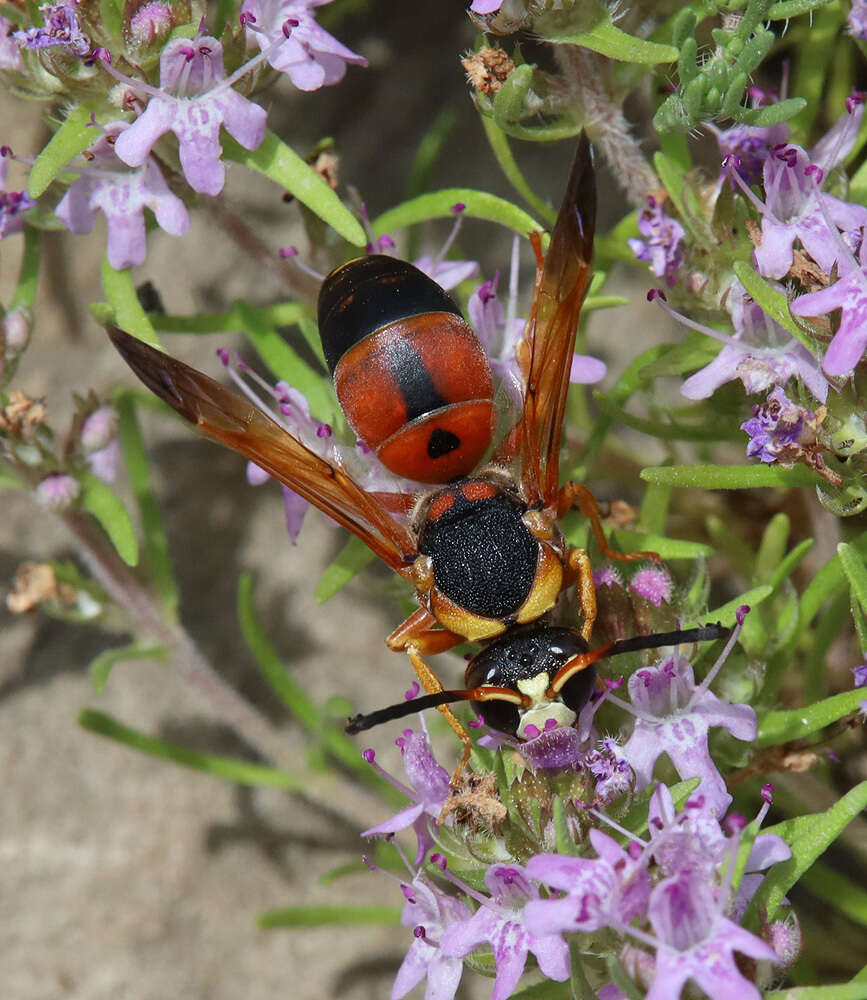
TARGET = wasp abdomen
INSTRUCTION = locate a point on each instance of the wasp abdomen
(410, 373)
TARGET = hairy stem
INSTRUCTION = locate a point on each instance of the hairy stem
(584, 75)
(194, 669)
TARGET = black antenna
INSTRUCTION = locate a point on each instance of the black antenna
(703, 633)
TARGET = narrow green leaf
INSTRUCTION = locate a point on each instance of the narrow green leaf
(672, 176)
(855, 570)
(548, 990)
(285, 167)
(607, 39)
(730, 477)
(428, 152)
(286, 364)
(328, 916)
(786, 9)
(225, 768)
(107, 507)
(594, 302)
(805, 850)
(665, 548)
(666, 431)
(350, 561)
(24, 295)
(773, 546)
(798, 723)
(774, 302)
(100, 666)
(772, 114)
(790, 562)
(727, 613)
(155, 541)
(499, 143)
(128, 313)
(438, 205)
(837, 991)
(654, 509)
(73, 136)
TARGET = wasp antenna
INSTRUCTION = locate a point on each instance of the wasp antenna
(704, 633)
(358, 723)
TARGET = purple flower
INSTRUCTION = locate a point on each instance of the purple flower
(781, 431)
(429, 911)
(500, 335)
(761, 353)
(859, 675)
(151, 23)
(10, 57)
(674, 715)
(696, 942)
(608, 891)
(308, 55)
(57, 492)
(100, 444)
(749, 147)
(194, 100)
(485, 6)
(500, 922)
(609, 766)
(849, 295)
(661, 246)
(13, 204)
(857, 20)
(60, 28)
(428, 790)
(121, 194)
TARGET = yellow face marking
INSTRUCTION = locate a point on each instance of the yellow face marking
(541, 708)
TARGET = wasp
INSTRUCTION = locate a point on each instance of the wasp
(483, 552)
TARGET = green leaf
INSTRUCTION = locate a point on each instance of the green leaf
(438, 205)
(855, 570)
(155, 540)
(727, 613)
(225, 768)
(350, 561)
(328, 916)
(499, 143)
(838, 991)
(286, 364)
(774, 302)
(665, 548)
(798, 723)
(285, 167)
(773, 546)
(100, 666)
(594, 302)
(73, 136)
(772, 114)
(786, 9)
(790, 562)
(24, 295)
(429, 150)
(607, 39)
(672, 175)
(805, 850)
(654, 509)
(730, 477)
(547, 990)
(9, 481)
(128, 313)
(107, 507)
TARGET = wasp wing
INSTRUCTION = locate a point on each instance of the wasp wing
(227, 417)
(546, 350)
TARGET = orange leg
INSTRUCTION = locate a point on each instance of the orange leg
(415, 636)
(579, 570)
(577, 495)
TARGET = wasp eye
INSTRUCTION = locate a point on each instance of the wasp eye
(577, 690)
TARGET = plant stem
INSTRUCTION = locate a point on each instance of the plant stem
(584, 74)
(121, 584)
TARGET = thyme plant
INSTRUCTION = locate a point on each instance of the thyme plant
(640, 851)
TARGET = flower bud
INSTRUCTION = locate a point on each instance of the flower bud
(57, 492)
(99, 428)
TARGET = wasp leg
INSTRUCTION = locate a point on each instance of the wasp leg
(419, 631)
(579, 570)
(577, 495)
(431, 683)
(415, 636)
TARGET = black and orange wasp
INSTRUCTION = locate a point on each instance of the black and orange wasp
(483, 551)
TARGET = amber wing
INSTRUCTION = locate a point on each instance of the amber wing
(549, 340)
(227, 417)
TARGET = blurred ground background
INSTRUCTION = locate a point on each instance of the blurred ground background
(125, 878)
